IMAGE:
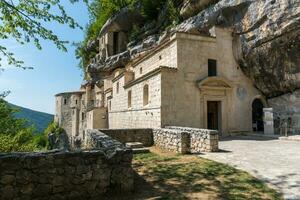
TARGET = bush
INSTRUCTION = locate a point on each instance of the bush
(9, 144)
(53, 128)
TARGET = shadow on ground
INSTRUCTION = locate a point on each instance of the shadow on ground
(190, 177)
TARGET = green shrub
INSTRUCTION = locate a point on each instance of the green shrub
(53, 128)
(9, 144)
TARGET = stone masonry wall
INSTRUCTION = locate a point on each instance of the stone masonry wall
(144, 136)
(66, 175)
(138, 115)
(201, 140)
(171, 140)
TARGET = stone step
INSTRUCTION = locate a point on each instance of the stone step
(140, 150)
(291, 138)
(134, 145)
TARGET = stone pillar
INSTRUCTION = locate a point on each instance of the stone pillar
(268, 121)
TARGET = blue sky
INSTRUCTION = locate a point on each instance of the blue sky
(54, 70)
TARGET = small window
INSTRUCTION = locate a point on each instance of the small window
(76, 101)
(115, 43)
(129, 99)
(118, 85)
(145, 95)
(160, 57)
(65, 101)
(83, 135)
(212, 67)
(82, 116)
(141, 70)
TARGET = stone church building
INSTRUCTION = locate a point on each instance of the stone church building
(189, 80)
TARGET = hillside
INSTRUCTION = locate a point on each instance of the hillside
(38, 119)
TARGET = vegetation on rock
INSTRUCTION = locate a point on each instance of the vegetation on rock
(158, 15)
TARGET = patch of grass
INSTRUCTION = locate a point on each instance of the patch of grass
(190, 177)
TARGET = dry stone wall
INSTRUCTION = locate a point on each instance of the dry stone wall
(201, 140)
(88, 174)
(171, 140)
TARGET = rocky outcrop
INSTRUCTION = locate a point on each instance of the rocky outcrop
(58, 141)
(287, 109)
(192, 7)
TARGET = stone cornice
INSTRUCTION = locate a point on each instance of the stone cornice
(118, 77)
(107, 90)
(148, 75)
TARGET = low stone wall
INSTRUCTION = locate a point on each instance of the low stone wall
(87, 174)
(171, 140)
(201, 140)
(144, 136)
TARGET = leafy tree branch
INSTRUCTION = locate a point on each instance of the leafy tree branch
(25, 21)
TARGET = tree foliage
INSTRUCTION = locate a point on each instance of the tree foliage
(25, 21)
(15, 134)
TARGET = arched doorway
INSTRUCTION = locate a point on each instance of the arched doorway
(257, 115)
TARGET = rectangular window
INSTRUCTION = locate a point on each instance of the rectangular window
(65, 101)
(115, 42)
(129, 99)
(118, 86)
(212, 67)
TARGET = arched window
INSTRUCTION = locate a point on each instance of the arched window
(129, 99)
(145, 95)
(118, 87)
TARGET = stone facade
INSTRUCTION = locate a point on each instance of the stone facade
(188, 80)
(66, 175)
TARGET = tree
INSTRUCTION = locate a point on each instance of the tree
(15, 134)
(24, 21)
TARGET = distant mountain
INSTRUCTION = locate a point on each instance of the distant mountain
(38, 119)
